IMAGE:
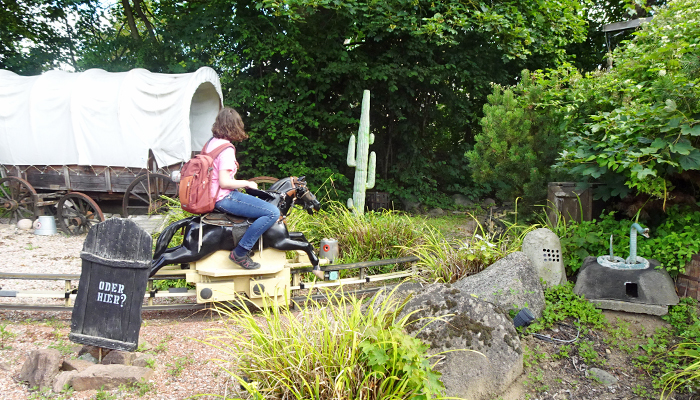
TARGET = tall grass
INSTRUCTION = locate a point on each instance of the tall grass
(449, 260)
(338, 350)
(688, 377)
(368, 237)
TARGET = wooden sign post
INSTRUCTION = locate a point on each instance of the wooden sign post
(116, 261)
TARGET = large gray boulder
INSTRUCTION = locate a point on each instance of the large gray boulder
(449, 319)
(41, 368)
(543, 248)
(461, 200)
(511, 282)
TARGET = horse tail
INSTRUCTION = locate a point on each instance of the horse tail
(167, 234)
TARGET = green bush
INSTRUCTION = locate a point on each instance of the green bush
(518, 144)
(562, 303)
(637, 126)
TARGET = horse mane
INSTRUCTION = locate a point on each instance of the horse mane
(283, 185)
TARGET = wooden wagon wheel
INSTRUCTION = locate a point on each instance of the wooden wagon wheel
(77, 213)
(264, 182)
(17, 199)
(143, 196)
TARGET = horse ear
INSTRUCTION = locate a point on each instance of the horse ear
(302, 179)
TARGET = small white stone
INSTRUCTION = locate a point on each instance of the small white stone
(24, 224)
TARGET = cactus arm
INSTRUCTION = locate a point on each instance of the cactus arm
(371, 137)
(372, 169)
(352, 161)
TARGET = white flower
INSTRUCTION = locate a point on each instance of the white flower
(662, 72)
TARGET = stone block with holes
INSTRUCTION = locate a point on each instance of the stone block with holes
(543, 248)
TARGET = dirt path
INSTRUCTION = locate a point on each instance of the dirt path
(558, 371)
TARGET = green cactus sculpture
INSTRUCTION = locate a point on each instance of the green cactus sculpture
(364, 171)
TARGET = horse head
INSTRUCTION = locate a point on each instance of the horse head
(295, 192)
(304, 196)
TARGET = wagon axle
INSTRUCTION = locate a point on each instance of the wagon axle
(10, 205)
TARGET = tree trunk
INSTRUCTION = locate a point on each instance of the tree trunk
(128, 13)
(139, 11)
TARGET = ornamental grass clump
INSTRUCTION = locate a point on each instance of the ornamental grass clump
(449, 260)
(686, 378)
(368, 237)
(343, 349)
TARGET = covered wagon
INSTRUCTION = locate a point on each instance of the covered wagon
(68, 140)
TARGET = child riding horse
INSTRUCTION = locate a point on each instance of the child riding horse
(202, 239)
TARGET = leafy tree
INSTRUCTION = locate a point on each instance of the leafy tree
(297, 70)
(637, 126)
(34, 35)
(592, 53)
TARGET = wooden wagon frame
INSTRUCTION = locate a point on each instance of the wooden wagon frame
(126, 133)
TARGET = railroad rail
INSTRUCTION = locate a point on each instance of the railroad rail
(69, 293)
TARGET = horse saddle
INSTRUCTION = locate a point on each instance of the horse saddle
(223, 219)
(238, 224)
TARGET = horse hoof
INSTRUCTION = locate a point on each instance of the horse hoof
(319, 274)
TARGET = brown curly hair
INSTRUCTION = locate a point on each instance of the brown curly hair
(229, 126)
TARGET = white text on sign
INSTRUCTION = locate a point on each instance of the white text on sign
(112, 293)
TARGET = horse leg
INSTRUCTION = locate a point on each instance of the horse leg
(190, 251)
(279, 238)
(297, 236)
(289, 244)
(175, 255)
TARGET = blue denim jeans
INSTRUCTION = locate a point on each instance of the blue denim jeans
(245, 205)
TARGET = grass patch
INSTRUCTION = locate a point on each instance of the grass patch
(345, 349)
(368, 237)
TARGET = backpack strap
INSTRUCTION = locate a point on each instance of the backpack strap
(215, 153)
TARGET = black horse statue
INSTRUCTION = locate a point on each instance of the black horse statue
(222, 232)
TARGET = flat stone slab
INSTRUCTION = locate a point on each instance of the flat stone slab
(109, 377)
(637, 308)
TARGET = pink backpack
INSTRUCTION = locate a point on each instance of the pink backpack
(195, 181)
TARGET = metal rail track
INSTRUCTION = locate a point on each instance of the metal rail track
(69, 294)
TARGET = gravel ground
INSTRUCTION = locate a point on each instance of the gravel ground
(184, 366)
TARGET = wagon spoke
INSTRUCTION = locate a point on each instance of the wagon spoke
(144, 195)
(146, 199)
(77, 213)
(17, 199)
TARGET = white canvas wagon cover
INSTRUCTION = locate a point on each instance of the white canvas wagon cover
(102, 118)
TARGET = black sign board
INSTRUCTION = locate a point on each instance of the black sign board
(116, 262)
